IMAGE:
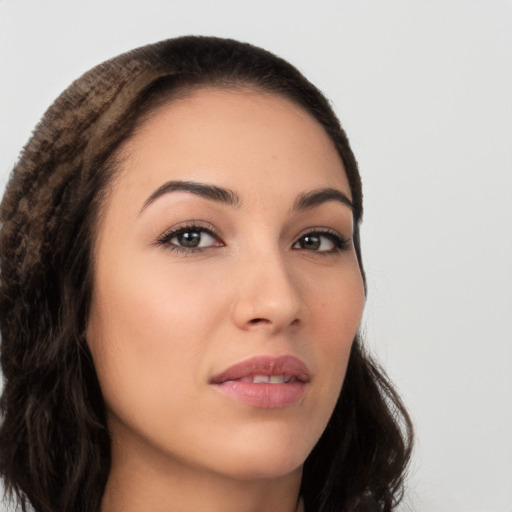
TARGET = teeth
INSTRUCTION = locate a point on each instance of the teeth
(272, 379)
(260, 378)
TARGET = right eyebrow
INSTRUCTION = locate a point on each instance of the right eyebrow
(206, 190)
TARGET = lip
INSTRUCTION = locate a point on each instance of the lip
(265, 395)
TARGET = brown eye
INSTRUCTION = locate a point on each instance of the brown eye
(188, 239)
(321, 242)
(315, 242)
(191, 239)
(310, 242)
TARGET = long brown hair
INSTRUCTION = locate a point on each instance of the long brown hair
(54, 441)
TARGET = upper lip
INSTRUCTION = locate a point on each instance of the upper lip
(265, 365)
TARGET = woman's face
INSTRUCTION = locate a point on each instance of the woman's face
(227, 290)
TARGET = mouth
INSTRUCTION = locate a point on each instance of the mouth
(265, 382)
(269, 379)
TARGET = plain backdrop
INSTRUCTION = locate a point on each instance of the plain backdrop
(424, 91)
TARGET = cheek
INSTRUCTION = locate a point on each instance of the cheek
(336, 308)
(336, 302)
(150, 327)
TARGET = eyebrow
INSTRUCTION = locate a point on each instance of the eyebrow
(304, 201)
(211, 192)
(309, 200)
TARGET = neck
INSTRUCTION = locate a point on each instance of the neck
(142, 480)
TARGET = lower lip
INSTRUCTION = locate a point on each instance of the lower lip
(263, 395)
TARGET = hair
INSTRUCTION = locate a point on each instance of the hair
(54, 440)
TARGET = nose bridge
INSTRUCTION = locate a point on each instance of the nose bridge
(268, 293)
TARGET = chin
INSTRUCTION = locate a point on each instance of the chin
(270, 468)
(263, 457)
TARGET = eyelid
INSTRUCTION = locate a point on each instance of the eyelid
(190, 225)
(340, 241)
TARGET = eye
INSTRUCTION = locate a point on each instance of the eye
(322, 242)
(189, 239)
(193, 239)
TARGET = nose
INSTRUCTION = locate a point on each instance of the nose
(267, 295)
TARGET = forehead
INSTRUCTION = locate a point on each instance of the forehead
(241, 139)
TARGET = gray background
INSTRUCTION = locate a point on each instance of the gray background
(423, 89)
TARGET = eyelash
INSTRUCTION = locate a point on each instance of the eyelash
(340, 243)
(166, 238)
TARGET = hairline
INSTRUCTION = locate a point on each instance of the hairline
(149, 108)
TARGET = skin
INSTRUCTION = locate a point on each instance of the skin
(164, 321)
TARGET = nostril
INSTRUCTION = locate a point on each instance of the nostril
(258, 320)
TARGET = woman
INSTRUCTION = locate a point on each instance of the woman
(181, 291)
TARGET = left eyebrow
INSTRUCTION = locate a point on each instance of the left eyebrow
(309, 200)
